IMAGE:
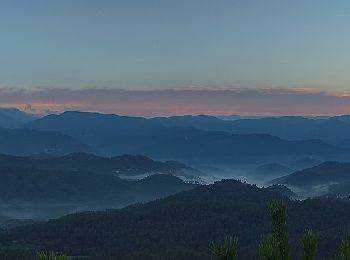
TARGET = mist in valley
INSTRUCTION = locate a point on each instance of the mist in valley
(261, 171)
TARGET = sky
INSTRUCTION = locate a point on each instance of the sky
(167, 57)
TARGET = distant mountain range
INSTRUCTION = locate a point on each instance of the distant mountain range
(25, 142)
(182, 226)
(13, 117)
(332, 130)
(112, 135)
(186, 138)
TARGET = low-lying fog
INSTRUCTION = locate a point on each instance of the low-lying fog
(260, 172)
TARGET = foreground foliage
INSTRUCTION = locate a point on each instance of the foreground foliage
(51, 256)
(276, 246)
(226, 250)
(269, 248)
(309, 244)
(345, 248)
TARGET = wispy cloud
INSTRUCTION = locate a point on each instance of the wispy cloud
(191, 100)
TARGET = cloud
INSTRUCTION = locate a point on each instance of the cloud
(222, 101)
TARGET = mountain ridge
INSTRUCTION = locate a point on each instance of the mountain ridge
(25, 141)
(112, 134)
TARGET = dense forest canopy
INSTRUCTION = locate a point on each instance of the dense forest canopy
(183, 225)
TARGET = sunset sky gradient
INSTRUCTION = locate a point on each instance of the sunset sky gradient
(163, 57)
(167, 102)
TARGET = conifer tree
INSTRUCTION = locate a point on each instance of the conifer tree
(345, 248)
(309, 246)
(227, 250)
(279, 228)
(276, 245)
(269, 248)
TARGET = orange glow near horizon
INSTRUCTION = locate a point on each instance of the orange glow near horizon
(45, 108)
(245, 102)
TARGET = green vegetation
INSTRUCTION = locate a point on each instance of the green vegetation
(345, 248)
(51, 256)
(269, 248)
(275, 246)
(309, 244)
(280, 228)
(226, 250)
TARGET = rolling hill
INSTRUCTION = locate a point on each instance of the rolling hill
(39, 188)
(127, 165)
(328, 177)
(183, 225)
(325, 173)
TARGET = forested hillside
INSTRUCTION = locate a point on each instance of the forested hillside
(41, 188)
(328, 177)
(182, 226)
